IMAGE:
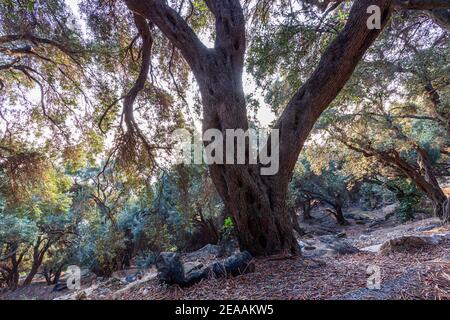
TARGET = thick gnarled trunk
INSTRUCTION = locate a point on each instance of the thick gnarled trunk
(264, 225)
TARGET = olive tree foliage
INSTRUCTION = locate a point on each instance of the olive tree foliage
(186, 212)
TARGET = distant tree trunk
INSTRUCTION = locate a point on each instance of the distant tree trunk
(307, 207)
(57, 275)
(13, 270)
(434, 191)
(339, 215)
(47, 273)
(446, 213)
(34, 269)
(38, 257)
(337, 211)
(128, 250)
(296, 225)
(52, 276)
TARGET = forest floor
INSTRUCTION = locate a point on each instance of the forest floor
(320, 273)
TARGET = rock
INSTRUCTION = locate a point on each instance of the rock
(364, 237)
(317, 253)
(426, 228)
(104, 291)
(61, 286)
(343, 247)
(81, 296)
(170, 268)
(437, 238)
(328, 239)
(126, 275)
(389, 290)
(302, 244)
(208, 251)
(404, 243)
(374, 249)
(306, 243)
(335, 244)
(191, 266)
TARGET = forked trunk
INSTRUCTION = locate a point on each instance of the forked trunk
(263, 223)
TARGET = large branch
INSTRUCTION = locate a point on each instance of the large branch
(147, 43)
(174, 27)
(230, 30)
(37, 40)
(335, 68)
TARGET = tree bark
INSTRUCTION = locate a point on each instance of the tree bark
(296, 225)
(258, 203)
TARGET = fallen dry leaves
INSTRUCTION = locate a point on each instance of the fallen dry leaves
(323, 278)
